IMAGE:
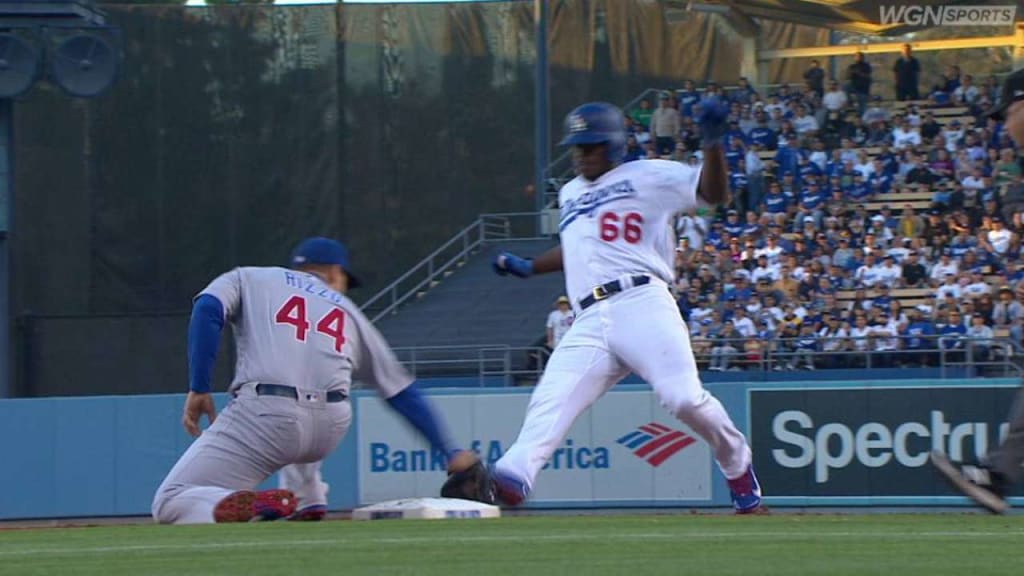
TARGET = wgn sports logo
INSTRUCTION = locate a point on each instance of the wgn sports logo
(906, 14)
(656, 443)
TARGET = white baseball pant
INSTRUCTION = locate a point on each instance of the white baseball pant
(638, 330)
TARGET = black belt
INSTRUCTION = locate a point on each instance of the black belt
(291, 392)
(605, 290)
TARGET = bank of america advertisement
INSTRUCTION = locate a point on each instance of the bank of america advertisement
(626, 448)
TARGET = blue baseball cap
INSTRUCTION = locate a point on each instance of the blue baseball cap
(320, 250)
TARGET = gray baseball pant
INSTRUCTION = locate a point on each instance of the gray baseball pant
(254, 437)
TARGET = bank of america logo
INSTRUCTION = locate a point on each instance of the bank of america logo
(655, 442)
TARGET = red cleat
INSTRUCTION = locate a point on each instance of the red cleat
(249, 506)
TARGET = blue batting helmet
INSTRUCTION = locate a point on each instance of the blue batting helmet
(597, 123)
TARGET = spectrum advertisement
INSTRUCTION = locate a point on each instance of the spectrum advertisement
(872, 441)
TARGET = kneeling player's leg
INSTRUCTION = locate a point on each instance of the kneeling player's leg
(305, 481)
(576, 375)
(652, 340)
(304, 478)
(244, 446)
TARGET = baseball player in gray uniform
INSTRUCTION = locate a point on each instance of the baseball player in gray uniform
(300, 342)
(991, 479)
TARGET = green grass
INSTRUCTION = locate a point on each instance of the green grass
(789, 545)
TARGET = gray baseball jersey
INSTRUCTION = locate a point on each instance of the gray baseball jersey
(290, 328)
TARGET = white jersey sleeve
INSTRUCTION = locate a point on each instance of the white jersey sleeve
(375, 362)
(678, 184)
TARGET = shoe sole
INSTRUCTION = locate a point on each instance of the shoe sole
(237, 507)
(989, 501)
(250, 506)
(311, 514)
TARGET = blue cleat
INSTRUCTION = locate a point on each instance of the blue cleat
(746, 493)
(314, 513)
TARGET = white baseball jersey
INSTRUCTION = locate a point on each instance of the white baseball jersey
(621, 223)
(290, 328)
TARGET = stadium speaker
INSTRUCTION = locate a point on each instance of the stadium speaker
(20, 64)
(84, 64)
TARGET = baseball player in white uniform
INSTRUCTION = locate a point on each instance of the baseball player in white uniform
(617, 253)
(300, 342)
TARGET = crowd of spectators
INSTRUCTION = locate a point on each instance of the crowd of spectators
(809, 266)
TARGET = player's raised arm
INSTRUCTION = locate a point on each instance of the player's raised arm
(714, 179)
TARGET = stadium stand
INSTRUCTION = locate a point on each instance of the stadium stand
(477, 315)
(871, 235)
(873, 241)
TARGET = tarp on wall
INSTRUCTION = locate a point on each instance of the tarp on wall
(235, 131)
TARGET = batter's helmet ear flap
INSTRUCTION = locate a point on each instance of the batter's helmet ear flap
(597, 123)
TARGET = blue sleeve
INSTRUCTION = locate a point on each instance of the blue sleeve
(203, 340)
(415, 408)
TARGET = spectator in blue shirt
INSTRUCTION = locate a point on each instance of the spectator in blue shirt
(735, 152)
(688, 96)
(714, 236)
(761, 134)
(811, 203)
(744, 93)
(834, 186)
(732, 224)
(740, 291)
(739, 182)
(860, 191)
(806, 169)
(951, 337)
(836, 164)
(774, 203)
(938, 96)
(633, 150)
(881, 179)
(752, 227)
(737, 133)
(786, 156)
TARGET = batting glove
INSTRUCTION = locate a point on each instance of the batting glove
(508, 263)
(713, 120)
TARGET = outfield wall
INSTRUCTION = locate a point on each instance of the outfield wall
(851, 443)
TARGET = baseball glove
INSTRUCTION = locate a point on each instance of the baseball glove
(468, 479)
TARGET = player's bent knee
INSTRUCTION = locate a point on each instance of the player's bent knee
(160, 507)
(679, 400)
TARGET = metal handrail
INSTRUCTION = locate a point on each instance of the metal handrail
(471, 236)
(771, 357)
(490, 360)
(487, 227)
(499, 360)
